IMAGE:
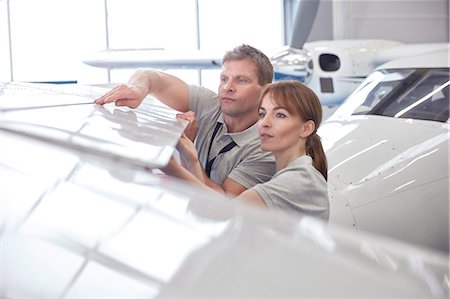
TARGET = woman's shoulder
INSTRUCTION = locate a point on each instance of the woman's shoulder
(299, 164)
(300, 170)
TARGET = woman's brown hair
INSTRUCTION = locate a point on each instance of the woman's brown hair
(300, 100)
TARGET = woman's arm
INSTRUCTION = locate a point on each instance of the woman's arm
(252, 197)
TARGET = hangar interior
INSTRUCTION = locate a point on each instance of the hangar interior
(97, 220)
(46, 40)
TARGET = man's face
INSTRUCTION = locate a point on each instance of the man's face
(239, 89)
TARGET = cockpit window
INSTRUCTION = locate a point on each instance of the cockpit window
(407, 93)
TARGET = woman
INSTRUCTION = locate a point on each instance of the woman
(290, 114)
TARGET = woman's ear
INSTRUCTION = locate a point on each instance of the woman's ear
(308, 128)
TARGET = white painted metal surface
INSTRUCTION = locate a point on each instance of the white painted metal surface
(80, 224)
(388, 152)
(164, 59)
(66, 116)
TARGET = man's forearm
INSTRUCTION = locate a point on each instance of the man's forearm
(167, 88)
(145, 78)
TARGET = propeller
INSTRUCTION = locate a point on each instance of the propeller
(294, 62)
(304, 19)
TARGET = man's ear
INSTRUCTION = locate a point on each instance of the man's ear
(308, 128)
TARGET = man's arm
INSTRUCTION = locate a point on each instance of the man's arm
(189, 159)
(167, 88)
(230, 187)
(195, 174)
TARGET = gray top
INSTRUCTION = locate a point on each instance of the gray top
(299, 187)
(246, 163)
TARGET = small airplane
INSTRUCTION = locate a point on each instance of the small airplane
(84, 216)
(388, 152)
(332, 68)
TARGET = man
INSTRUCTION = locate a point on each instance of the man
(229, 153)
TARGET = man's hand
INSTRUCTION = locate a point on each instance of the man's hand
(192, 128)
(188, 152)
(124, 95)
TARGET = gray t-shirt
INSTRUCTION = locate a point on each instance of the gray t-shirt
(245, 163)
(299, 188)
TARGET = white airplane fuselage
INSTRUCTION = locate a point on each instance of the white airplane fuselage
(335, 68)
(389, 174)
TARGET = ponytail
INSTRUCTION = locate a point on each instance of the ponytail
(315, 150)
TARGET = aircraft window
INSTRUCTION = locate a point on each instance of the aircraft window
(422, 94)
(384, 87)
(427, 99)
(329, 62)
(375, 97)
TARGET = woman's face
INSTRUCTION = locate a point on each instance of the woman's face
(279, 130)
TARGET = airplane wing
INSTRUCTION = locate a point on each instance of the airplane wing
(67, 116)
(161, 59)
(387, 149)
(410, 50)
(82, 217)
